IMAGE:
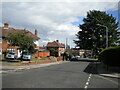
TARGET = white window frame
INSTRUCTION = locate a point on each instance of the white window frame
(11, 49)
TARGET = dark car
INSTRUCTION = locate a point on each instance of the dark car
(74, 58)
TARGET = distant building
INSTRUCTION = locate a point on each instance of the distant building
(4, 44)
(80, 52)
(60, 48)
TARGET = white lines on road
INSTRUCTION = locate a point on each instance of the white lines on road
(85, 87)
(88, 81)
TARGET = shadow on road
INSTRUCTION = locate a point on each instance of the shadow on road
(88, 60)
(98, 68)
(91, 68)
(84, 60)
(10, 61)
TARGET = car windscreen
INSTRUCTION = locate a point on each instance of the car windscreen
(12, 53)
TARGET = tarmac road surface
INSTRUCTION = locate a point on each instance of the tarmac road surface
(66, 75)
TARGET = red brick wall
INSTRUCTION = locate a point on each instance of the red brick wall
(41, 54)
(4, 45)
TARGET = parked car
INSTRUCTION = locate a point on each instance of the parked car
(26, 57)
(11, 55)
(78, 57)
(74, 58)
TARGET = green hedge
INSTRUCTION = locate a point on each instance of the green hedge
(110, 56)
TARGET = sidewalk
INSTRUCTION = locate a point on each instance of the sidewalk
(30, 65)
(112, 72)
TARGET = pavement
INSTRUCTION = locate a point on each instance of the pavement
(112, 72)
(27, 65)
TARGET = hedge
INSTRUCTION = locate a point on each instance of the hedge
(110, 56)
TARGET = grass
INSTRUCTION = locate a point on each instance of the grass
(34, 59)
(44, 57)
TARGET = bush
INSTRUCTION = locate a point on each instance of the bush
(5, 53)
(53, 52)
(110, 56)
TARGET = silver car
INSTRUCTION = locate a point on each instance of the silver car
(26, 57)
(11, 55)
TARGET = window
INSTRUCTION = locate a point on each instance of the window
(11, 49)
(9, 41)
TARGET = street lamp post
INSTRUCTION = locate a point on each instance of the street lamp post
(106, 34)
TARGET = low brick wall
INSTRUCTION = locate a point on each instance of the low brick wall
(52, 59)
(60, 58)
(43, 62)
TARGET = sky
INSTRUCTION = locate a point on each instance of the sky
(54, 19)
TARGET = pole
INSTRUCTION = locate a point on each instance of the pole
(66, 43)
(106, 34)
(106, 37)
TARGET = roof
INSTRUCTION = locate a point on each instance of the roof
(5, 32)
(55, 44)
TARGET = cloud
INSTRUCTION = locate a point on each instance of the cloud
(52, 19)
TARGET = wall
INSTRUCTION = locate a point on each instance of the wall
(4, 45)
(61, 50)
(41, 54)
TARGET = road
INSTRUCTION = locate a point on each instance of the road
(65, 75)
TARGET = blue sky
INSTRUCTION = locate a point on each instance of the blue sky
(114, 13)
(78, 22)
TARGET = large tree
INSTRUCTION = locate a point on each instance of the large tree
(92, 34)
(22, 40)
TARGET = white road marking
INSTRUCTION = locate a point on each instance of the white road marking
(87, 83)
(88, 80)
(85, 87)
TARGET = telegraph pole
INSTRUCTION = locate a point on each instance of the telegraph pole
(66, 43)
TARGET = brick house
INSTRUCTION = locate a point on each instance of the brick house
(56, 46)
(4, 44)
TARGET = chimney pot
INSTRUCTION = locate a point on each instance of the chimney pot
(36, 32)
(6, 25)
(57, 40)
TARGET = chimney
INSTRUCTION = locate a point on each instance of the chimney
(36, 32)
(6, 25)
(57, 40)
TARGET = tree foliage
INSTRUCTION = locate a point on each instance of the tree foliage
(92, 34)
(53, 52)
(22, 40)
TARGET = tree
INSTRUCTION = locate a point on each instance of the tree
(93, 35)
(22, 40)
(53, 52)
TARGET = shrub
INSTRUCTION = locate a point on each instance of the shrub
(53, 52)
(5, 53)
(110, 56)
